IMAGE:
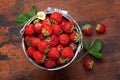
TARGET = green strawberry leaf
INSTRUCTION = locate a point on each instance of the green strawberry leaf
(96, 45)
(22, 19)
(32, 11)
(96, 54)
(85, 45)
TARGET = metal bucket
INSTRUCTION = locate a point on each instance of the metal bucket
(67, 16)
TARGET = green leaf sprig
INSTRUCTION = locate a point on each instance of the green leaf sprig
(24, 17)
(93, 50)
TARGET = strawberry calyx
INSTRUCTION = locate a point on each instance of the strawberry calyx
(45, 33)
(43, 60)
(38, 24)
(97, 27)
(72, 29)
(36, 21)
(91, 64)
(86, 26)
(47, 49)
(52, 21)
(63, 60)
(77, 38)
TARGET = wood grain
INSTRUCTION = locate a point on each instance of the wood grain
(15, 66)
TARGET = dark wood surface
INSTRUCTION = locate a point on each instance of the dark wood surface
(15, 66)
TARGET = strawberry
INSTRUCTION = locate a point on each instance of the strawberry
(53, 40)
(39, 57)
(53, 53)
(100, 28)
(87, 29)
(64, 39)
(43, 46)
(73, 46)
(75, 37)
(88, 63)
(35, 41)
(63, 23)
(61, 60)
(30, 51)
(27, 38)
(50, 63)
(29, 29)
(56, 16)
(69, 27)
(60, 48)
(67, 52)
(57, 29)
(38, 27)
(41, 36)
(46, 22)
(47, 30)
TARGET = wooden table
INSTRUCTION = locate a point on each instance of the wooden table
(15, 66)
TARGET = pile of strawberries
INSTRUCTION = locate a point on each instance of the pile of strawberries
(51, 42)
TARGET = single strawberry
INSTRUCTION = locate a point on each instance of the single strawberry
(41, 36)
(49, 63)
(87, 29)
(88, 63)
(53, 53)
(69, 27)
(43, 46)
(38, 27)
(35, 42)
(57, 29)
(63, 23)
(62, 61)
(39, 57)
(46, 22)
(47, 30)
(60, 48)
(56, 16)
(75, 37)
(73, 46)
(67, 52)
(30, 51)
(29, 29)
(100, 28)
(64, 39)
(53, 40)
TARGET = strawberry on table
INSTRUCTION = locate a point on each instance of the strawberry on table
(57, 29)
(53, 53)
(35, 41)
(67, 52)
(75, 37)
(47, 30)
(50, 63)
(64, 39)
(56, 16)
(88, 63)
(43, 46)
(100, 28)
(87, 29)
(69, 27)
(30, 51)
(29, 29)
(39, 57)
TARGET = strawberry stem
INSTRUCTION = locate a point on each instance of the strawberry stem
(82, 56)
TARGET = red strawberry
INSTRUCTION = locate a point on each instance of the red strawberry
(27, 38)
(47, 30)
(57, 29)
(50, 63)
(38, 27)
(64, 39)
(41, 36)
(46, 22)
(60, 48)
(53, 53)
(75, 37)
(73, 46)
(35, 42)
(100, 28)
(56, 16)
(87, 29)
(43, 46)
(88, 63)
(67, 52)
(61, 60)
(29, 29)
(63, 23)
(30, 51)
(53, 40)
(39, 57)
(69, 27)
